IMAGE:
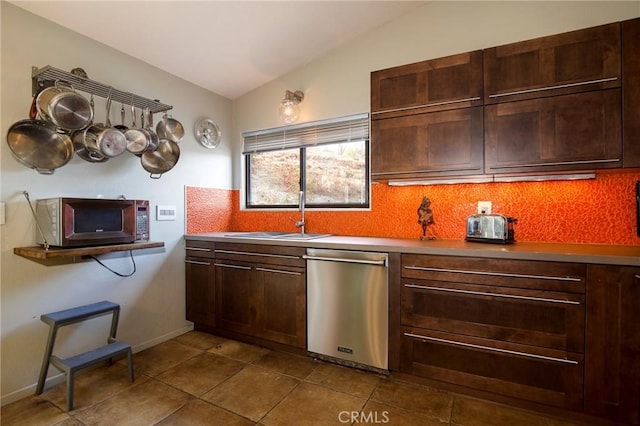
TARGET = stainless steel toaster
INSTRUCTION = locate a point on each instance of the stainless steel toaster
(491, 228)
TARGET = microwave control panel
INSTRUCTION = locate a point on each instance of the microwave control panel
(142, 220)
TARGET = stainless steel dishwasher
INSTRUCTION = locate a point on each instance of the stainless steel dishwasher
(347, 307)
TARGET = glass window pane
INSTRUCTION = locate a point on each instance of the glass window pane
(274, 178)
(336, 174)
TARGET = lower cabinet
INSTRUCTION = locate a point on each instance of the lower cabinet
(612, 376)
(199, 274)
(260, 291)
(507, 327)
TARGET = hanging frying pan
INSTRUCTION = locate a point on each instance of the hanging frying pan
(36, 144)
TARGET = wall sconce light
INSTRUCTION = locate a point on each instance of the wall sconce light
(289, 109)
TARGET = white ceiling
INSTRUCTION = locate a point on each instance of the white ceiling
(227, 47)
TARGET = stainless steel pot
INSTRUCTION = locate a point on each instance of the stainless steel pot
(104, 139)
(170, 128)
(138, 138)
(83, 152)
(61, 106)
(161, 160)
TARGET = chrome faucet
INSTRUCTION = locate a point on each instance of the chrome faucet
(300, 224)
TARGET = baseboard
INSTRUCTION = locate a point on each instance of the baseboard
(60, 378)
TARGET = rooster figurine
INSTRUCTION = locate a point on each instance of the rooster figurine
(425, 218)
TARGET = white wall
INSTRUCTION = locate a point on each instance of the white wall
(339, 83)
(152, 300)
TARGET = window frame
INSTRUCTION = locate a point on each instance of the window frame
(347, 129)
(303, 185)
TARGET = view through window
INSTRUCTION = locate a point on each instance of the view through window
(333, 174)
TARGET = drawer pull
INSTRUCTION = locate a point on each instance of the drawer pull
(195, 262)
(224, 265)
(488, 348)
(199, 249)
(277, 271)
(249, 253)
(493, 274)
(559, 86)
(475, 98)
(482, 293)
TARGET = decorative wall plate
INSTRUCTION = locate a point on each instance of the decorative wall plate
(207, 133)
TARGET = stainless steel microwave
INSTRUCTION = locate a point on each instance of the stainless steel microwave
(79, 222)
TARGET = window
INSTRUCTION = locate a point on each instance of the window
(328, 160)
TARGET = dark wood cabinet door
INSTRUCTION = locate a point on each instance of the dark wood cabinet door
(281, 301)
(576, 61)
(433, 85)
(571, 132)
(200, 283)
(631, 92)
(235, 300)
(612, 353)
(442, 143)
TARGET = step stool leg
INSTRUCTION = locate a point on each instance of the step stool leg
(130, 363)
(69, 390)
(53, 330)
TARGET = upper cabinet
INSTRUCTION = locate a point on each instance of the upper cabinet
(434, 85)
(570, 132)
(631, 92)
(576, 61)
(427, 119)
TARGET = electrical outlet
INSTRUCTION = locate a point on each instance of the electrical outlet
(484, 207)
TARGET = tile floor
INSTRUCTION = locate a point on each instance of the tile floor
(200, 379)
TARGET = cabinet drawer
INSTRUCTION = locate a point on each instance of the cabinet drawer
(576, 61)
(538, 318)
(434, 144)
(434, 85)
(199, 248)
(571, 132)
(256, 253)
(534, 374)
(536, 275)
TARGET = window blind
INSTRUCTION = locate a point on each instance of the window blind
(350, 128)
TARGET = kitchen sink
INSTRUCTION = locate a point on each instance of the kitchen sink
(278, 235)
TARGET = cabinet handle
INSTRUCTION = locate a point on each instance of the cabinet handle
(559, 86)
(560, 163)
(637, 277)
(482, 293)
(475, 98)
(249, 253)
(225, 265)
(199, 249)
(195, 262)
(488, 348)
(277, 271)
(494, 274)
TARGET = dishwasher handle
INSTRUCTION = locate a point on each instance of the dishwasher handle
(382, 262)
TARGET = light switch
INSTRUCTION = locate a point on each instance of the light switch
(165, 212)
(484, 207)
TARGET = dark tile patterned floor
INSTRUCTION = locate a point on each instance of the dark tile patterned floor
(200, 379)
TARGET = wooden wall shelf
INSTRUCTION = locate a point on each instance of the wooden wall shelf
(38, 252)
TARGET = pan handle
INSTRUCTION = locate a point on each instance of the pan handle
(155, 175)
(44, 171)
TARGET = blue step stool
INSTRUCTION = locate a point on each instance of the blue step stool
(70, 366)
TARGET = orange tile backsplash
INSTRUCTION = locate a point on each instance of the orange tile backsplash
(597, 211)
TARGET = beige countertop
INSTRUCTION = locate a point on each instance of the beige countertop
(580, 253)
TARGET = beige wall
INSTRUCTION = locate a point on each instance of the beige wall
(152, 299)
(338, 83)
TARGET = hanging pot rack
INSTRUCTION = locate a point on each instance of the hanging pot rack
(48, 75)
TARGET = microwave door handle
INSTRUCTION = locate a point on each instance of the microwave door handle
(35, 217)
